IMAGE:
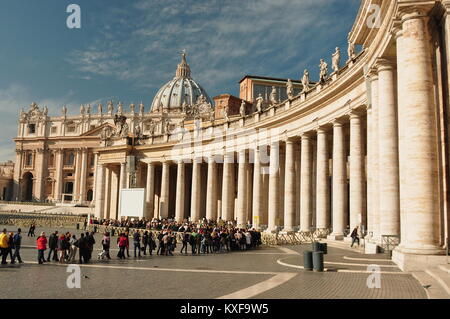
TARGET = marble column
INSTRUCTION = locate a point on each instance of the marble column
(40, 174)
(373, 221)
(95, 176)
(196, 189)
(419, 196)
(242, 191)
(289, 188)
(257, 190)
(388, 151)
(356, 171)
(165, 180)
(76, 187)
(107, 196)
(179, 203)
(123, 176)
(323, 181)
(150, 190)
(305, 185)
(274, 187)
(100, 191)
(59, 174)
(228, 187)
(211, 191)
(339, 181)
(84, 164)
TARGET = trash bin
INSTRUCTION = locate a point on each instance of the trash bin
(324, 248)
(318, 261)
(308, 260)
(316, 246)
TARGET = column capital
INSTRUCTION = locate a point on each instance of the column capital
(337, 123)
(305, 136)
(372, 74)
(354, 115)
(383, 64)
(407, 12)
(320, 130)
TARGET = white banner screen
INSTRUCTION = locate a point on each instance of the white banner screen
(132, 202)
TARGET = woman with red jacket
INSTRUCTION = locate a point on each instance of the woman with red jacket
(123, 240)
(41, 246)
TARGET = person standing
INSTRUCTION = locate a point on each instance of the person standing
(137, 243)
(74, 243)
(53, 245)
(61, 246)
(4, 246)
(122, 245)
(41, 246)
(355, 236)
(185, 242)
(106, 243)
(17, 244)
(31, 230)
(127, 235)
(82, 246)
(145, 242)
(11, 247)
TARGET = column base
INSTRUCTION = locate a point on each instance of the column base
(335, 237)
(407, 260)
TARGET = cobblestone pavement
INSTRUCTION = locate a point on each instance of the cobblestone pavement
(207, 276)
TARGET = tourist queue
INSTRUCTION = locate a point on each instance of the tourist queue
(204, 238)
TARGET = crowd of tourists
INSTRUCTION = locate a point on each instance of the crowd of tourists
(205, 237)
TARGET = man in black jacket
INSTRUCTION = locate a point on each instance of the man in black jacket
(355, 236)
(52, 245)
(17, 243)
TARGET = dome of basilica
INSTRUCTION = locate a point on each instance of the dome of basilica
(181, 93)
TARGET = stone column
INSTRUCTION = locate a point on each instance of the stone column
(76, 186)
(84, 164)
(40, 174)
(274, 189)
(356, 171)
(95, 176)
(17, 175)
(59, 174)
(179, 204)
(339, 181)
(257, 190)
(373, 221)
(100, 191)
(150, 189)
(228, 187)
(388, 151)
(419, 201)
(305, 185)
(107, 196)
(242, 191)
(123, 176)
(322, 184)
(196, 189)
(165, 179)
(289, 188)
(211, 192)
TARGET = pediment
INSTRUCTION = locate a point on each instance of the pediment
(98, 130)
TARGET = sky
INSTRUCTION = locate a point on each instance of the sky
(126, 50)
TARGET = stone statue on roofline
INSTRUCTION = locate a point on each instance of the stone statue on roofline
(132, 108)
(225, 113)
(64, 110)
(351, 51)
(88, 110)
(259, 103)
(336, 58)
(273, 96)
(110, 108)
(82, 110)
(290, 89)
(305, 81)
(242, 109)
(100, 108)
(120, 108)
(323, 71)
(141, 108)
(45, 110)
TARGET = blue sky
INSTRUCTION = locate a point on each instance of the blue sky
(127, 49)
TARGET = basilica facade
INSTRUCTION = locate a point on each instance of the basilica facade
(365, 146)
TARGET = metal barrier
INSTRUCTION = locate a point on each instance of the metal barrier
(389, 242)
